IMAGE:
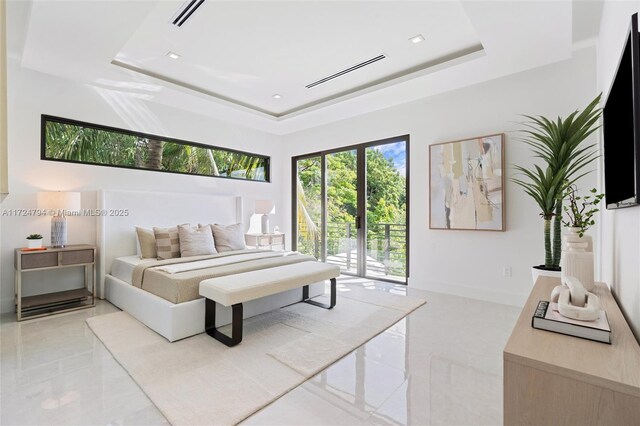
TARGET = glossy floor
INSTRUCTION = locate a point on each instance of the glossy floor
(440, 365)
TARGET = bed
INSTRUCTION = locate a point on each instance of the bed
(118, 262)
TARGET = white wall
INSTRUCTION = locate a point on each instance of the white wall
(467, 262)
(620, 228)
(32, 94)
(460, 262)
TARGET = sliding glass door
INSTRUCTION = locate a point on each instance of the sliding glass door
(351, 208)
(386, 201)
(342, 210)
(308, 206)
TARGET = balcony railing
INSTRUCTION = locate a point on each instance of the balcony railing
(386, 247)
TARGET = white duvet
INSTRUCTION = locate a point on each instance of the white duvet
(208, 263)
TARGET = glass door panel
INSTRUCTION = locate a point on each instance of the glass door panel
(309, 206)
(351, 208)
(386, 200)
(342, 209)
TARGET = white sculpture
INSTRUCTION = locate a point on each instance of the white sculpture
(574, 301)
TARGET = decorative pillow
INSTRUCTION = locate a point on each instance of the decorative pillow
(167, 242)
(195, 241)
(146, 243)
(228, 238)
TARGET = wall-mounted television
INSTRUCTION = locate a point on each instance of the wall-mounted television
(621, 127)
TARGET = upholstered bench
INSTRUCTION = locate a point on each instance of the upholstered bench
(234, 290)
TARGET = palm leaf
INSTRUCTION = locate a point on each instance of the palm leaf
(559, 145)
(303, 213)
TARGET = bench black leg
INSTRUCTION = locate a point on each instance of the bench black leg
(236, 323)
(305, 296)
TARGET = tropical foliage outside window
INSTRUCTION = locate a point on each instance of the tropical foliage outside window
(74, 141)
(386, 205)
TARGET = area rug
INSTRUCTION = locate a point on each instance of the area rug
(199, 381)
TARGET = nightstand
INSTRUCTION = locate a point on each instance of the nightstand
(80, 255)
(264, 240)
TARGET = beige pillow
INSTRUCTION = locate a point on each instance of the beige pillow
(195, 241)
(167, 242)
(228, 238)
(147, 243)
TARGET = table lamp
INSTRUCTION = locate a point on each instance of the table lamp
(265, 207)
(58, 203)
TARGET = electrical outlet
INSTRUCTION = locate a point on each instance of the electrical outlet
(506, 271)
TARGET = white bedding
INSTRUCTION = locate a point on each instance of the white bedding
(122, 267)
(228, 260)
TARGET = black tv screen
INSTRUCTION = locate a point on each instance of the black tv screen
(621, 127)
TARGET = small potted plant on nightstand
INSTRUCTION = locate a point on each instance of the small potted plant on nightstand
(34, 241)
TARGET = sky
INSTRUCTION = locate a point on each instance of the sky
(396, 152)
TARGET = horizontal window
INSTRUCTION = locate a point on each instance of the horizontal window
(78, 142)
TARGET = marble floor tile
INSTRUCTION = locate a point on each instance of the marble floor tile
(54, 371)
(442, 364)
(358, 380)
(304, 407)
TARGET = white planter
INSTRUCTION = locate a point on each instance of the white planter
(535, 273)
(572, 236)
(34, 243)
(577, 258)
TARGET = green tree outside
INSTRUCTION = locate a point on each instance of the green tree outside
(89, 145)
(386, 204)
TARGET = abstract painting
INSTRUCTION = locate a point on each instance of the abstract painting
(467, 184)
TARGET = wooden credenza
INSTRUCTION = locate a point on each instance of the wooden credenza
(553, 379)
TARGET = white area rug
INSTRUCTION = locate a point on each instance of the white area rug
(199, 381)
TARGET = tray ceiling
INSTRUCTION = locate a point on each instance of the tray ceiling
(246, 52)
(234, 56)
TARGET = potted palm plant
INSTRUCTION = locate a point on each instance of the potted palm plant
(559, 144)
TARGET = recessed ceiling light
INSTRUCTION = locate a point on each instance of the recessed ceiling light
(173, 55)
(277, 96)
(416, 39)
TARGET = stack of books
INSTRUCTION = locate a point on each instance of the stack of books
(547, 317)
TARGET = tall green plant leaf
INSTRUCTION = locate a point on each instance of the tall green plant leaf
(560, 145)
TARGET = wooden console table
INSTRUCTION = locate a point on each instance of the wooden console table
(555, 379)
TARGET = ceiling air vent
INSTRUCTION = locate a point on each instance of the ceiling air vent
(185, 12)
(346, 71)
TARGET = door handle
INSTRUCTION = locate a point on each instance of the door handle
(358, 224)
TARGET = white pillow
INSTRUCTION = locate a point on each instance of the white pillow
(195, 241)
(228, 238)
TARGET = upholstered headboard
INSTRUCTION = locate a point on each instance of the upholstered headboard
(121, 211)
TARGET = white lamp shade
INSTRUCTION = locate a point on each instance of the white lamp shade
(59, 200)
(265, 207)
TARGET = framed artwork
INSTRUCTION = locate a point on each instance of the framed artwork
(466, 184)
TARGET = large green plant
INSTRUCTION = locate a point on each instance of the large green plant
(559, 144)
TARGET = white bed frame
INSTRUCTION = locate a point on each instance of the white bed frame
(116, 238)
